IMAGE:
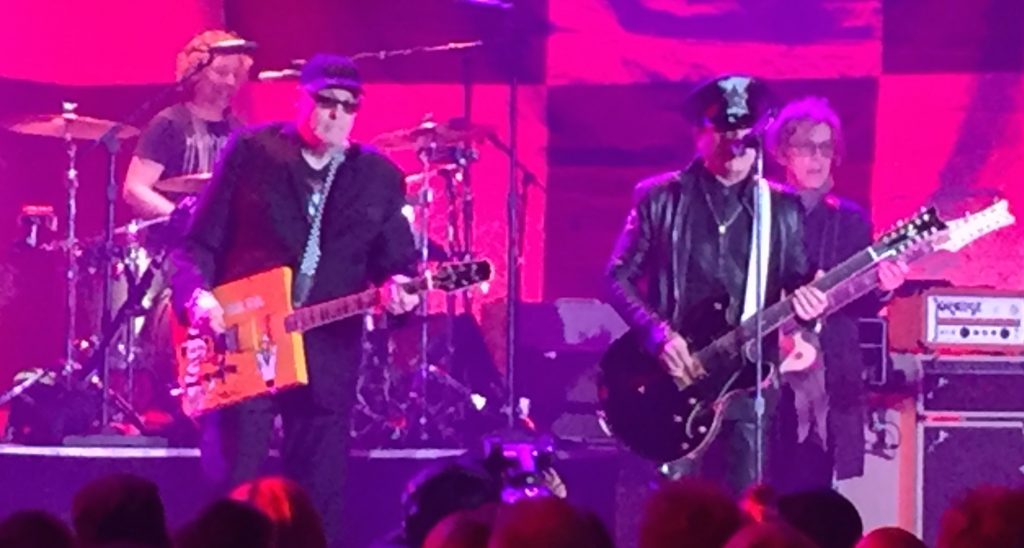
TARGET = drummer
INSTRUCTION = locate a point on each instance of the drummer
(187, 137)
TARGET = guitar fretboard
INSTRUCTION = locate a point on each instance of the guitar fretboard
(316, 315)
(777, 314)
(853, 288)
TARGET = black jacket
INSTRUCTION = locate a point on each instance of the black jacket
(837, 229)
(648, 268)
(252, 217)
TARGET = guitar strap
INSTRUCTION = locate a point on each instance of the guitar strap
(311, 255)
(764, 221)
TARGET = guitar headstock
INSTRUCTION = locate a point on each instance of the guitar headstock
(909, 233)
(964, 230)
(455, 276)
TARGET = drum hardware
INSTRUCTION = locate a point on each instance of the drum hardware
(185, 184)
(414, 400)
(71, 125)
(111, 141)
(34, 219)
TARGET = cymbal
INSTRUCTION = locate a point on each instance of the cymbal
(430, 132)
(135, 226)
(420, 176)
(186, 184)
(79, 127)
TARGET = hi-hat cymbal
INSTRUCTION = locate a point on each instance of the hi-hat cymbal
(78, 127)
(186, 184)
(432, 133)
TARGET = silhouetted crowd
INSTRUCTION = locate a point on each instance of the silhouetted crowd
(455, 505)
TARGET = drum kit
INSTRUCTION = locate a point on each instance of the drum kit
(407, 396)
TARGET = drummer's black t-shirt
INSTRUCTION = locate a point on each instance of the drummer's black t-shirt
(172, 140)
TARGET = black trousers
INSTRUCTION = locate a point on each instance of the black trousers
(801, 466)
(236, 441)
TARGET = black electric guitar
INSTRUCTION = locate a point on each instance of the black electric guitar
(657, 417)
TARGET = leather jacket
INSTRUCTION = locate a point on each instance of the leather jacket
(648, 267)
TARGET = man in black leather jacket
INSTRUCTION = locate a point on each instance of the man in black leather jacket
(688, 238)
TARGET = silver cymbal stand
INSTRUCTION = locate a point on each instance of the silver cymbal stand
(71, 250)
(425, 151)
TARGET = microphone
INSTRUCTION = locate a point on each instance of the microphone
(755, 139)
(748, 141)
(231, 47)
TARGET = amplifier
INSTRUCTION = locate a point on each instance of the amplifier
(960, 320)
(981, 386)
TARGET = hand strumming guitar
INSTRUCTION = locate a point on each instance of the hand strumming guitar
(677, 361)
(205, 312)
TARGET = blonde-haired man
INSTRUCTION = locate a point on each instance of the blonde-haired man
(187, 137)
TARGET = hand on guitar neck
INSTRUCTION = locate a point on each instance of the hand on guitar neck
(891, 274)
(396, 299)
(809, 302)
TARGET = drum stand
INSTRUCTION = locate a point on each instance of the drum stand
(433, 394)
(71, 249)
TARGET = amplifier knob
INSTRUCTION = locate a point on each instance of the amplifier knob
(964, 332)
(1004, 333)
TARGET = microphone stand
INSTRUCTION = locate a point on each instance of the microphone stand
(759, 402)
(759, 279)
(110, 140)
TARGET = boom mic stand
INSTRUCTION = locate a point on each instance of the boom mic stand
(98, 362)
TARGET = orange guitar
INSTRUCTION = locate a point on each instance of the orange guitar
(261, 351)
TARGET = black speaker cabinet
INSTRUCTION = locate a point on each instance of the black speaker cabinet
(982, 386)
(955, 455)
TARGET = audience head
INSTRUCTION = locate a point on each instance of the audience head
(825, 516)
(769, 535)
(547, 522)
(464, 529)
(688, 513)
(120, 508)
(760, 503)
(441, 490)
(228, 524)
(296, 522)
(984, 517)
(890, 537)
(34, 529)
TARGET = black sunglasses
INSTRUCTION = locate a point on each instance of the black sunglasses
(328, 102)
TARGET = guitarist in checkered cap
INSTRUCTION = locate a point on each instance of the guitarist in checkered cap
(300, 195)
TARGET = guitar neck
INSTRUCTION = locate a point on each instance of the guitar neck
(320, 314)
(776, 315)
(861, 284)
